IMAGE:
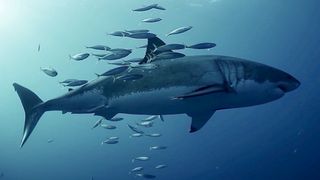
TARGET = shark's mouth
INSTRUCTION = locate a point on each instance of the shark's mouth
(283, 87)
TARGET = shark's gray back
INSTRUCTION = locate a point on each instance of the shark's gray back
(187, 71)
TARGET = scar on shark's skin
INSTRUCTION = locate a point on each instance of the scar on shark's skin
(194, 85)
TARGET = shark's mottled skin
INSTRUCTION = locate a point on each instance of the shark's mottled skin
(195, 85)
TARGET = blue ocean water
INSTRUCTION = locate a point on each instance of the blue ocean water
(278, 140)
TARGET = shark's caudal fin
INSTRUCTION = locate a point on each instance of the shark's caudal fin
(33, 109)
(153, 44)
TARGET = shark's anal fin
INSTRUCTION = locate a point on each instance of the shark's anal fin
(215, 88)
(199, 119)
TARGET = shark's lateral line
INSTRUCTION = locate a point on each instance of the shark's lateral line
(195, 85)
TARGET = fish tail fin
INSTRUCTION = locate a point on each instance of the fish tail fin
(33, 107)
(70, 57)
(98, 75)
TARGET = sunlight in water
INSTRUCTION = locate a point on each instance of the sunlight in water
(8, 14)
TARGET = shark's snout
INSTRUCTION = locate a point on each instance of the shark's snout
(289, 83)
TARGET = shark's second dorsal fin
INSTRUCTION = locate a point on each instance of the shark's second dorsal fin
(153, 43)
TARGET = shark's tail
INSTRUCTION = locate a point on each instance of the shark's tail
(33, 108)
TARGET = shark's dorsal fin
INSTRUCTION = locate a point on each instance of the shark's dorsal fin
(153, 44)
(199, 119)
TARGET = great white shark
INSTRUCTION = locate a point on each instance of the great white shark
(192, 85)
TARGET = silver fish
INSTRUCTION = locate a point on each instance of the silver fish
(137, 169)
(179, 30)
(99, 47)
(153, 135)
(169, 47)
(76, 83)
(114, 71)
(129, 77)
(117, 53)
(96, 124)
(142, 35)
(99, 55)
(161, 166)
(120, 51)
(159, 7)
(158, 147)
(135, 129)
(202, 46)
(141, 158)
(114, 56)
(108, 141)
(49, 71)
(136, 135)
(146, 8)
(150, 118)
(67, 81)
(118, 33)
(106, 126)
(116, 119)
(50, 140)
(151, 20)
(79, 57)
(137, 31)
(146, 124)
(168, 55)
(39, 48)
(147, 176)
(113, 138)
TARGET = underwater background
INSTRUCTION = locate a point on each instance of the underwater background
(278, 140)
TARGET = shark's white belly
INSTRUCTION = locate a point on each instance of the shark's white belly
(246, 93)
(158, 101)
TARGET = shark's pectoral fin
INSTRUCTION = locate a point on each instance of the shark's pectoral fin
(105, 112)
(199, 119)
(215, 88)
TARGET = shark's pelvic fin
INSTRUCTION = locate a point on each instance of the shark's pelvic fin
(153, 44)
(204, 91)
(105, 112)
(199, 119)
(33, 108)
(161, 118)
